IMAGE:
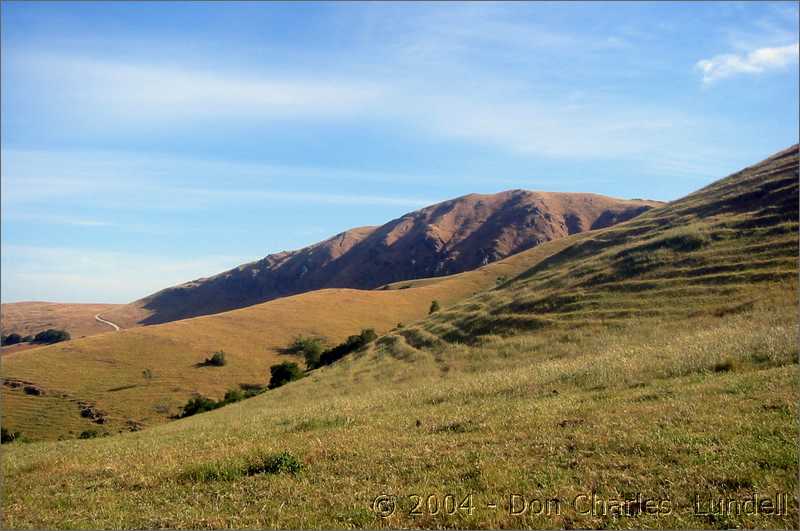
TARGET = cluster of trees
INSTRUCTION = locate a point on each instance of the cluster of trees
(51, 335)
(313, 349)
(283, 373)
(13, 339)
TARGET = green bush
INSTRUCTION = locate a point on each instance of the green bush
(88, 434)
(51, 335)
(283, 373)
(11, 339)
(217, 359)
(201, 404)
(435, 307)
(351, 344)
(311, 348)
(198, 404)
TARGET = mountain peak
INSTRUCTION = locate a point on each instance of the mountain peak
(442, 239)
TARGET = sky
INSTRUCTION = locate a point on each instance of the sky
(147, 144)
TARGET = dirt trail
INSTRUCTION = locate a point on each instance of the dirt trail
(109, 323)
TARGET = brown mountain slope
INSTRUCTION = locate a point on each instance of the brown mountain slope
(449, 237)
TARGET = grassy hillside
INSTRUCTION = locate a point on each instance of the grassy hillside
(656, 360)
(106, 372)
(29, 318)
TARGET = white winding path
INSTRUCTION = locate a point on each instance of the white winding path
(109, 323)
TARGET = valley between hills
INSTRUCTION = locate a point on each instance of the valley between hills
(582, 345)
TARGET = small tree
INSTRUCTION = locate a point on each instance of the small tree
(216, 360)
(434, 307)
(351, 344)
(233, 395)
(367, 335)
(51, 335)
(311, 348)
(198, 404)
(284, 373)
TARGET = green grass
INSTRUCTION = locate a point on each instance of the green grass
(107, 370)
(618, 412)
(668, 379)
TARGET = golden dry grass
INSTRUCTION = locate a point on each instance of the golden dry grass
(28, 318)
(617, 412)
(657, 359)
(107, 370)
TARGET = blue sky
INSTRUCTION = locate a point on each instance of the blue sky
(145, 144)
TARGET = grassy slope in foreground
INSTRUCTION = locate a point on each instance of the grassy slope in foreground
(678, 382)
(106, 371)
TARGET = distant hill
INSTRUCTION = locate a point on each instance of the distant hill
(446, 238)
(106, 371)
(30, 318)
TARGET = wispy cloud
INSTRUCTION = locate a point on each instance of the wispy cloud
(55, 220)
(452, 50)
(91, 275)
(755, 62)
(145, 91)
(127, 181)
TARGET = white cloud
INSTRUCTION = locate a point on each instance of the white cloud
(54, 220)
(754, 62)
(123, 180)
(143, 92)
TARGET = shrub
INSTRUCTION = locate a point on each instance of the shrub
(435, 307)
(233, 395)
(351, 344)
(7, 436)
(201, 404)
(217, 359)
(51, 335)
(27, 339)
(11, 339)
(198, 404)
(88, 434)
(283, 373)
(310, 348)
(147, 374)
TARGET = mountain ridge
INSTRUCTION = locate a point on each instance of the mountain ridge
(446, 238)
